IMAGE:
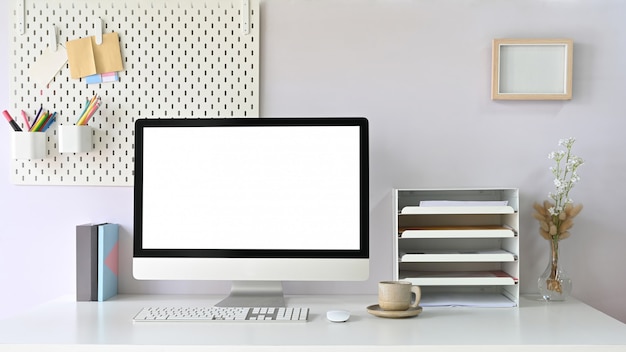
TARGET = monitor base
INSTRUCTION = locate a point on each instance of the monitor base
(254, 294)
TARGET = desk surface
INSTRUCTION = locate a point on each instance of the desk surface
(63, 324)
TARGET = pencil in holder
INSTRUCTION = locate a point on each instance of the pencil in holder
(29, 145)
(75, 138)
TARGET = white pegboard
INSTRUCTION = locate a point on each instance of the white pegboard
(182, 59)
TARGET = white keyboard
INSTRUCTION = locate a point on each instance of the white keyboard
(221, 314)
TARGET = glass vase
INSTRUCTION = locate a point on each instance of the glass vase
(554, 284)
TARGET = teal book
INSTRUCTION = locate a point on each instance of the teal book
(108, 249)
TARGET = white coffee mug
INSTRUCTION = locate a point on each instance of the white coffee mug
(398, 295)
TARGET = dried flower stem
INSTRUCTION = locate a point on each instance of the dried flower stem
(553, 282)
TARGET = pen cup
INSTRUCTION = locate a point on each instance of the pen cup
(75, 139)
(29, 145)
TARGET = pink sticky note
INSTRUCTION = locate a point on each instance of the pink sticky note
(110, 77)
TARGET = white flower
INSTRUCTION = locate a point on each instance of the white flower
(555, 211)
(565, 175)
(567, 142)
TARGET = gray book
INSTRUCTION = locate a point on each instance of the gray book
(87, 262)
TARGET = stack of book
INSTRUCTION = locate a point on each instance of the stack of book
(96, 261)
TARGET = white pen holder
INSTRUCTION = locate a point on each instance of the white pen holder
(75, 139)
(29, 145)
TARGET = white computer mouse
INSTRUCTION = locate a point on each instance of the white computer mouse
(337, 316)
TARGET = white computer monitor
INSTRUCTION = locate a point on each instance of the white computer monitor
(256, 201)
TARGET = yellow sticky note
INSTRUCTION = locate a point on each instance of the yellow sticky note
(80, 58)
(107, 55)
(87, 58)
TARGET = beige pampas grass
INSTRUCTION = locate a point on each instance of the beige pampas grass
(572, 211)
(555, 227)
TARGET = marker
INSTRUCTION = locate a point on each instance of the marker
(26, 120)
(49, 122)
(86, 119)
(89, 111)
(12, 122)
(84, 111)
(38, 112)
(36, 119)
(41, 122)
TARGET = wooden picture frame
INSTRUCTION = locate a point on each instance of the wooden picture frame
(532, 69)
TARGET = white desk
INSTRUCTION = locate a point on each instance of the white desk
(65, 325)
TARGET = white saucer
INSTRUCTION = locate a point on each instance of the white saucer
(379, 312)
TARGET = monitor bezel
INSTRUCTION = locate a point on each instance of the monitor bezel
(361, 252)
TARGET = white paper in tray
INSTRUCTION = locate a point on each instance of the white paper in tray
(463, 203)
(456, 299)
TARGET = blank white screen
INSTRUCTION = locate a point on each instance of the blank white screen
(287, 187)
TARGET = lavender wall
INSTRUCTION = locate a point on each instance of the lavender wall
(420, 71)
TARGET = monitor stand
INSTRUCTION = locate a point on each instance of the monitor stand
(254, 294)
